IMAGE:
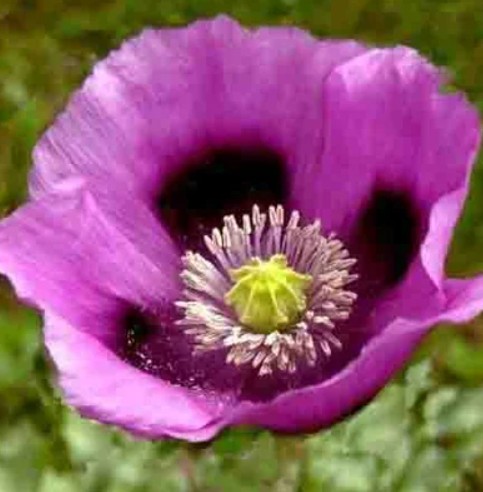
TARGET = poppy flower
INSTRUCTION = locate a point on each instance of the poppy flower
(231, 226)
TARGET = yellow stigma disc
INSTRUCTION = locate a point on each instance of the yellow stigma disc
(268, 295)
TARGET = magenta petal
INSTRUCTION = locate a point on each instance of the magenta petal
(388, 128)
(80, 254)
(103, 387)
(465, 299)
(170, 94)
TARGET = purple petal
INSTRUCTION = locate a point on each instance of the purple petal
(82, 254)
(173, 94)
(103, 387)
(465, 298)
(389, 132)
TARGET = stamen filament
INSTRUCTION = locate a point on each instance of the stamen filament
(271, 294)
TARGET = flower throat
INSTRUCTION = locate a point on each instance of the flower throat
(269, 292)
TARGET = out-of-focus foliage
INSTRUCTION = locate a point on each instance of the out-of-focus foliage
(423, 433)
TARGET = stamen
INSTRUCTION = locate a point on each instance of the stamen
(320, 265)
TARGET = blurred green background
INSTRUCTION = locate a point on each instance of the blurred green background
(424, 433)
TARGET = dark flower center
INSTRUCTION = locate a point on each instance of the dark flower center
(206, 342)
(269, 293)
(288, 284)
(218, 183)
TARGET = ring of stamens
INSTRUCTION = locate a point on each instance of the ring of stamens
(214, 324)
